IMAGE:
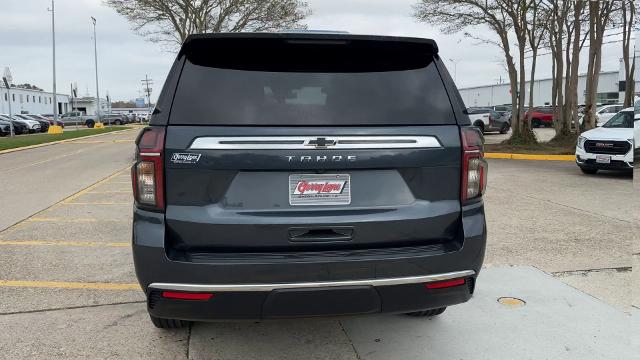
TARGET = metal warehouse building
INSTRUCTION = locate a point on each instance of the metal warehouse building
(610, 90)
(27, 101)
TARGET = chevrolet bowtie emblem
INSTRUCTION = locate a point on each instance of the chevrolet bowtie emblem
(321, 143)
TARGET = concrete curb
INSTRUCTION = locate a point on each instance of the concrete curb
(60, 141)
(543, 157)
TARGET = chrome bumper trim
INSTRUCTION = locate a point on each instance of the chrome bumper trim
(304, 285)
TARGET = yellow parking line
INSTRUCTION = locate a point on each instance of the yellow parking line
(87, 189)
(69, 285)
(111, 192)
(62, 243)
(530, 157)
(98, 203)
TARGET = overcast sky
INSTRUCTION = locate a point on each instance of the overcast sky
(125, 57)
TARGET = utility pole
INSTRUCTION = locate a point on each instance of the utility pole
(7, 82)
(95, 55)
(147, 89)
(53, 37)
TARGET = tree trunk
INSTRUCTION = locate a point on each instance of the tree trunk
(629, 65)
(575, 62)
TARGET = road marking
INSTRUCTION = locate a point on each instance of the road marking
(530, 157)
(98, 203)
(43, 161)
(62, 243)
(88, 189)
(73, 220)
(103, 141)
(69, 285)
(111, 192)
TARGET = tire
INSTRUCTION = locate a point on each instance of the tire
(90, 124)
(505, 128)
(589, 171)
(536, 123)
(161, 323)
(479, 125)
(427, 313)
(117, 122)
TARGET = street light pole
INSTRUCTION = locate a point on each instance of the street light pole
(95, 55)
(53, 37)
(8, 85)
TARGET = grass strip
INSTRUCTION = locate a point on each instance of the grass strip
(36, 139)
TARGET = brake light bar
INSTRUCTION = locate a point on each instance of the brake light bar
(186, 295)
(147, 174)
(474, 166)
(445, 284)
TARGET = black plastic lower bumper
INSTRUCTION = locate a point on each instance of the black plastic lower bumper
(327, 301)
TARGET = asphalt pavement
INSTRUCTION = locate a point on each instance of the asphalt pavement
(32, 180)
(558, 239)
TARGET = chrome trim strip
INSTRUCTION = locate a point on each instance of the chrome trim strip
(309, 142)
(150, 154)
(270, 287)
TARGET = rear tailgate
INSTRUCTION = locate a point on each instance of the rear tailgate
(311, 145)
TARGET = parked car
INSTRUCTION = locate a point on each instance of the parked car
(78, 118)
(244, 201)
(43, 117)
(606, 112)
(501, 109)
(5, 128)
(609, 147)
(31, 125)
(540, 116)
(487, 119)
(113, 119)
(19, 127)
(44, 124)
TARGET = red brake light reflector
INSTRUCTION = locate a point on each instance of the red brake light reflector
(186, 295)
(445, 284)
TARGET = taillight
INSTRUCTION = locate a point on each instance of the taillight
(147, 174)
(474, 166)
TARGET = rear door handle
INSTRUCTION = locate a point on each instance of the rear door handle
(319, 234)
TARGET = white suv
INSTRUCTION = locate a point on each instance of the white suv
(609, 147)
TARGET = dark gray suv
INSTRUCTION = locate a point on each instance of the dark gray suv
(307, 174)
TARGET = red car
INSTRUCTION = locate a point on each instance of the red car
(541, 116)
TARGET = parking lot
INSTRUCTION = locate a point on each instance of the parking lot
(559, 240)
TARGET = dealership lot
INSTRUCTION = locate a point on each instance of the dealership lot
(68, 288)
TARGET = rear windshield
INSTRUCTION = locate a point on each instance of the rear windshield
(332, 90)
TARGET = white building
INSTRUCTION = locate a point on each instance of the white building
(87, 105)
(28, 101)
(610, 90)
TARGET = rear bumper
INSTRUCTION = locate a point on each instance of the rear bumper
(291, 300)
(294, 286)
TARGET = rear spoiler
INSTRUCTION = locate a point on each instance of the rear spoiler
(307, 51)
(213, 40)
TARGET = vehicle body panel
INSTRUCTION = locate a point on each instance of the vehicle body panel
(235, 151)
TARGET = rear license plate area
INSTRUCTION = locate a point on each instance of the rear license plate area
(319, 189)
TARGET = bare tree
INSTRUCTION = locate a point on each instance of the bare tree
(503, 17)
(171, 21)
(600, 13)
(565, 38)
(628, 18)
(536, 32)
